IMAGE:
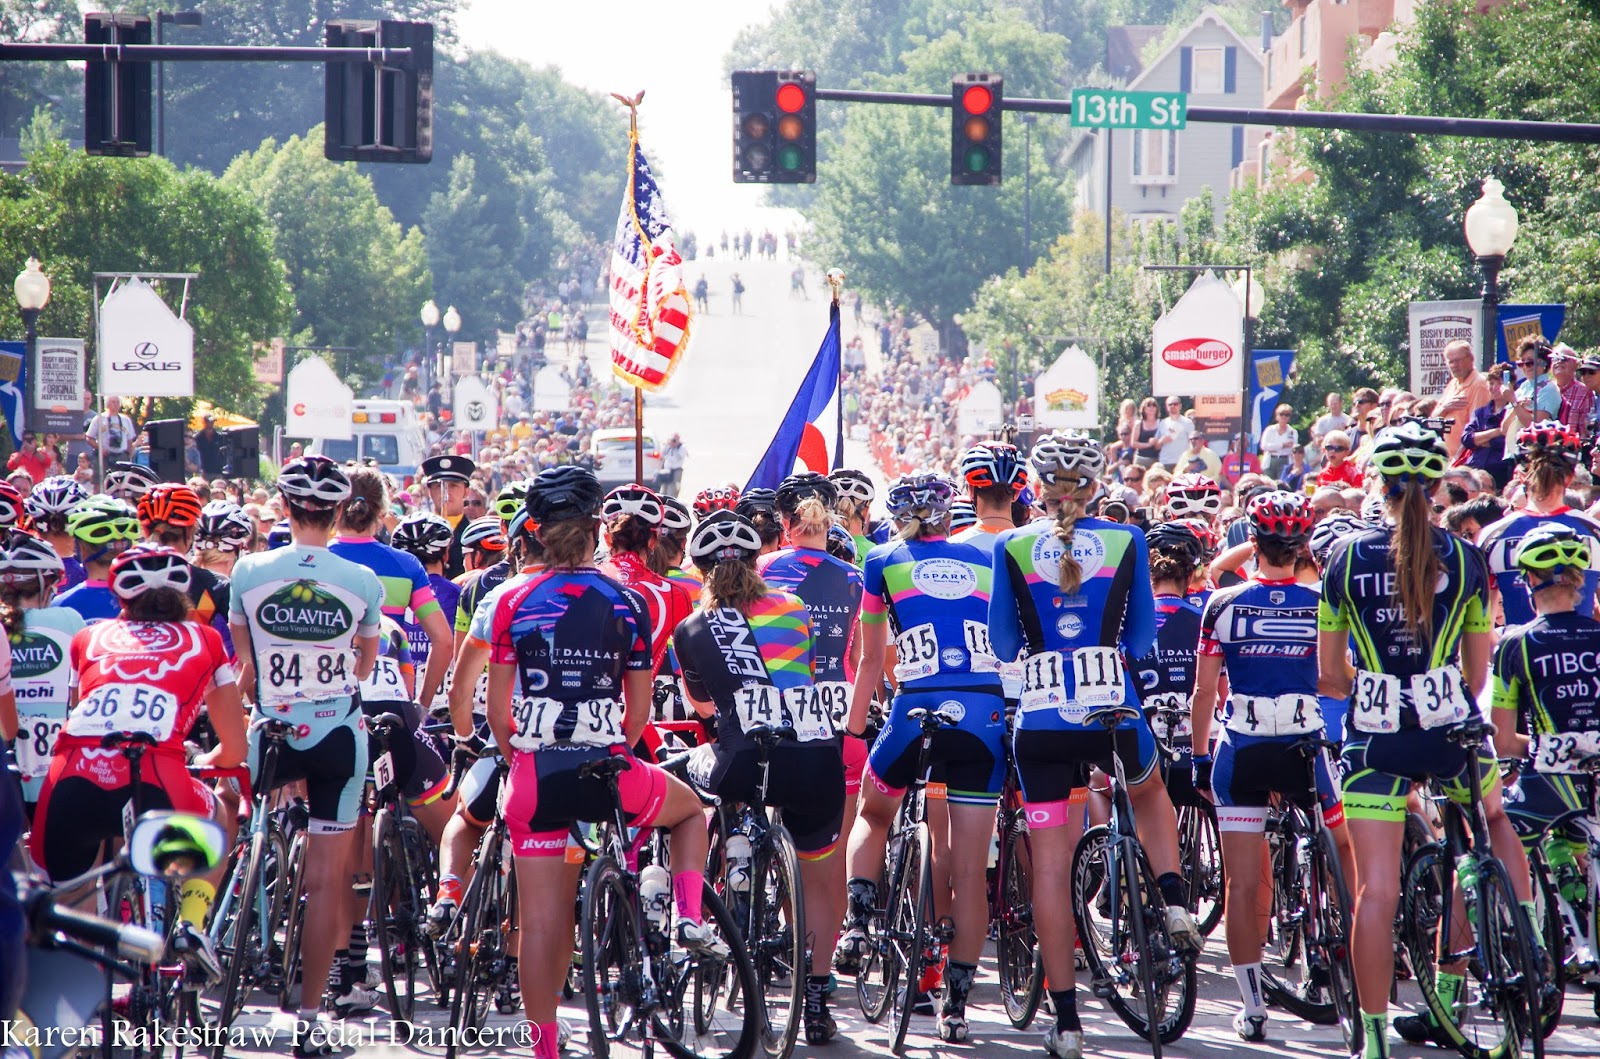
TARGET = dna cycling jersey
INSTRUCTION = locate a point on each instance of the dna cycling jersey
(688, 581)
(305, 608)
(982, 538)
(1166, 674)
(666, 604)
(141, 678)
(1265, 631)
(1074, 646)
(1499, 542)
(472, 591)
(480, 634)
(571, 636)
(393, 678)
(208, 595)
(407, 592)
(1547, 675)
(74, 574)
(1401, 681)
(935, 595)
(41, 673)
(831, 590)
(92, 599)
(756, 668)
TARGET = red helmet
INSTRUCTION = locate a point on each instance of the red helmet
(1281, 516)
(1201, 529)
(12, 510)
(172, 503)
(717, 498)
(1550, 436)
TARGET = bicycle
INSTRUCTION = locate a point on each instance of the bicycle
(1502, 994)
(902, 936)
(1021, 967)
(1133, 961)
(636, 985)
(1310, 926)
(1199, 841)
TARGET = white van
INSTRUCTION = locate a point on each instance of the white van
(386, 432)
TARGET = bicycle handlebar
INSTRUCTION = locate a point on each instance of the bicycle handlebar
(129, 942)
(239, 774)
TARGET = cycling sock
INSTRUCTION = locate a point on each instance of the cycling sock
(546, 1040)
(1376, 1028)
(1249, 976)
(688, 889)
(194, 901)
(1066, 1002)
(338, 978)
(1173, 890)
(1447, 987)
(863, 896)
(816, 992)
(958, 978)
(356, 960)
(450, 888)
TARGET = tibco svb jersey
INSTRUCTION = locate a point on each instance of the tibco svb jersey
(831, 590)
(1166, 675)
(1548, 671)
(41, 671)
(1076, 647)
(1266, 634)
(571, 635)
(1499, 542)
(935, 595)
(305, 608)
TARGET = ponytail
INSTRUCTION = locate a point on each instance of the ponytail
(733, 584)
(810, 518)
(568, 544)
(1416, 564)
(1069, 501)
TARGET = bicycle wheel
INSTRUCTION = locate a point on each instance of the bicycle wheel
(480, 950)
(1292, 975)
(395, 916)
(777, 941)
(237, 935)
(1021, 969)
(690, 1029)
(1427, 882)
(422, 859)
(613, 955)
(1200, 852)
(293, 918)
(915, 916)
(885, 961)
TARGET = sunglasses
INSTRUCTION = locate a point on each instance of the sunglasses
(1283, 415)
(1527, 363)
(1336, 448)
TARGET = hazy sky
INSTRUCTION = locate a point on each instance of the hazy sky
(674, 52)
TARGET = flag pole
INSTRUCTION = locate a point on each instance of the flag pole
(632, 103)
(836, 284)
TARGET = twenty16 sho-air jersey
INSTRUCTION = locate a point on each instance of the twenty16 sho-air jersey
(1266, 634)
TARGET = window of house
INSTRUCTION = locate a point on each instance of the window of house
(1210, 70)
(1155, 156)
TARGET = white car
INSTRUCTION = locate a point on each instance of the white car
(613, 452)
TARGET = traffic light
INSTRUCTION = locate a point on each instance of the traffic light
(166, 448)
(375, 112)
(774, 127)
(244, 451)
(116, 95)
(975, 128)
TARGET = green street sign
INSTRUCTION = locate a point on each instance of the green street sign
(1107, 108)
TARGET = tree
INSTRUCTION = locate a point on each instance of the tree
(50, 86)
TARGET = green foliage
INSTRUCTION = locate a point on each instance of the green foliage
(52, 87)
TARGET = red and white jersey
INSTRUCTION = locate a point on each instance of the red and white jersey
(668, 601)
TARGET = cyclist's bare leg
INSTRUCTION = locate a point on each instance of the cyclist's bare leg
(546, 891)
(971, 828)
(685, 818)
(1507, 844)
(1156, 822)
(874, 813)
(823, 885)
(1244, 864)
(456, 846)
(435, 817)
(329, 857)
(938, 815)
(1052, 880)
(1376, 897)
(1099, 803)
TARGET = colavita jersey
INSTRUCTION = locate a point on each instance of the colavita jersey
(41, 674)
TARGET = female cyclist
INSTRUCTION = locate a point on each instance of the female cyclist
(169, 515)
(936, 594)
(760, 506)
(101, 528)
(738, 612)
(1166, 674)
(47, 505)
(854, 509)
(1417, 600)
(426, 537)
(571, 647)
(633, 516)
(1072, 594)
(223, 533)
(41, 641)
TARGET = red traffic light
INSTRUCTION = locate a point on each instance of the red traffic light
(791, 97)
(976, 99)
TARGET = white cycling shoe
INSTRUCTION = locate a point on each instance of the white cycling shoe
(1063, 1044)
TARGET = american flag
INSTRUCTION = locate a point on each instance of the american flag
(649, 305)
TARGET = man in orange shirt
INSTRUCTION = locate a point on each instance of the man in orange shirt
(1465, 393)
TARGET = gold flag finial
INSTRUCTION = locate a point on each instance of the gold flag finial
(632, 103)
(836, 282)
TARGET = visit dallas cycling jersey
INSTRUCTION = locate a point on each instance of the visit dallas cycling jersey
(935, 594)
(1548, 671)
(305, 608)
(407, 592)
(831, 589)
(667, 603)
(1266, 634)
(1499, 542)
(41, 671)
(1113, 609)
(1166, 675)
(571, 635)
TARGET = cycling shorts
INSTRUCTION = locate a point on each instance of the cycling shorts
(806, 781)
(418, 767)
(1538, 799)
(1051, 764)
(971, 757)
(1249, 771)
(76, 813)
(545, 796)
(855, 764)
(334, 769)
(479, 793)
(1380, 769)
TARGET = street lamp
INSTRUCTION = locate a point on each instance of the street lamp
(430, 320)
(1491, 226)
(452, 324)
(1251, 297)
(189, 20)
(32, 288)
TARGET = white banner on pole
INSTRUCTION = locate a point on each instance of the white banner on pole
(1067, 394)
(1435, 325)
(981, 411)
(1198, 345)
(475, 407)
(463, 358)
(318, 405)
(145, 349)
(551, 392)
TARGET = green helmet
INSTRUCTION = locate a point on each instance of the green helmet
(101, 520)
(509, 500)
(1409, 450)
(1552, 548)
(183, 837)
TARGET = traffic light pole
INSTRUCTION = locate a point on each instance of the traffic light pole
(177, 53)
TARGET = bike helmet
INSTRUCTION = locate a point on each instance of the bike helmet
(279, 536)
(675, 517)
(840, 544)
(29, 560)
(797, 487)
(1409, 452)
(565, 492)
(486, 532)
(1334, 527)
(171, 503)
(314, 483)
(13, 509)
(424, 535)
(1552, 548)
(1194, 495)
(509, 500)
(716, 498)
(928, 494)
(1281, 516)
(724, 535)
(1070, 456)
(223, 526)
(753, 502)
(520, 523)
(853, 485)
(147, 566)
(56, 495)
(183, 843)
(633, 500)
(1175, 537)
(1552, 437)
(1203, 532)
(129, 481)
(101, 520)
(962, 515)
(1372, 511)
(994, 463)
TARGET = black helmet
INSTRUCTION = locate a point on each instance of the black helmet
(565, 492)
(1174, 537)
(797, 487)
(753, 501)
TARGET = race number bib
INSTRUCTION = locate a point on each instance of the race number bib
(1098, 677)
(1440, 699)
(1011, 679)
(1375, 703)
(977, 636)
(1044, 687)
(132, 708)
(1275, 715)
(917, 651)
(1170, 720)
(596, 722)
(808, 712)
(1566, 752)
(385, 684)
(758, 704)
(306, 674)
(383, 771)
(36, 738)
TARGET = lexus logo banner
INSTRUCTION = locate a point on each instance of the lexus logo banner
(145, 349)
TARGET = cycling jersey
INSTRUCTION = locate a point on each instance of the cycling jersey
(407, 592)
(1499, 542)
(448, 594)
(667, 604)
(689, 581)
(935, 596)
(1166, 674)
(92, 599)
(831, 589)
(982, 538)
(41, 671)
(74, 575)
(472, 590)
(419, 770)
(208, 594)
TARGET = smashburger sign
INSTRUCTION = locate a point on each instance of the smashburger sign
(1195, 347)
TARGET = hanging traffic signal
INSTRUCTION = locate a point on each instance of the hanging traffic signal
(774, 127)
(975, 128)
(379, 112)
(116, 95)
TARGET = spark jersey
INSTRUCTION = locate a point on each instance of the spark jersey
(41, 673)
(571, 636)
(982, 538)
(831, 589)
(407, 592)
(667, 603)
(1266, 634)
(1548, 671)
(1075, 647)
(1499, 542)
(935, 595)
(1166, 675)
(92, 599)
(305, 608)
